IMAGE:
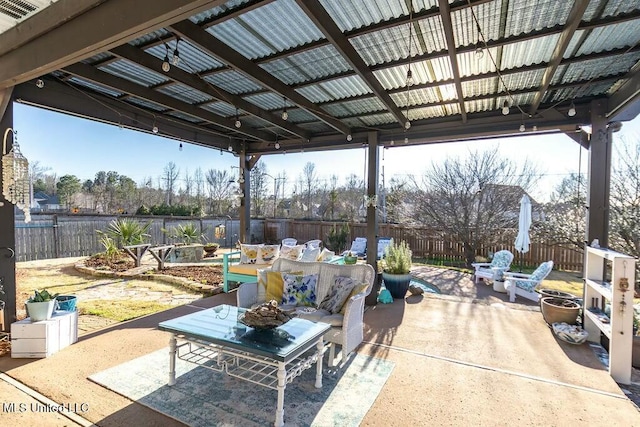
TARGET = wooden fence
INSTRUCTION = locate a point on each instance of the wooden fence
(58, 236)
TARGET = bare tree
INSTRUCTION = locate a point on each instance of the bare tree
(258, 187)
(310, 182)
(198, 178)
(220, 191)
(625, 199)
(472, 198)
(170, 176)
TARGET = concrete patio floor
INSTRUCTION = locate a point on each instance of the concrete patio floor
(457, 363)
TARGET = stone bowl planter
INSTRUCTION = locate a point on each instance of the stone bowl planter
(559, 310)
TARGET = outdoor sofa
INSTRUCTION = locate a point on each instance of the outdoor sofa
(332, 285)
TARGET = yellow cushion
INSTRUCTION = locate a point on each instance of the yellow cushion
(275, 286)
(356, 290)
(249, 269)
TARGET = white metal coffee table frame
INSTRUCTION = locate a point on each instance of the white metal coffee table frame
(273, 372)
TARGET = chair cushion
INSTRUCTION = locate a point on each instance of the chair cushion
(299, 289)
(248, 269)
(338, 294)
(320, 315)
(248, 253)
(268, 253)
(502, 259)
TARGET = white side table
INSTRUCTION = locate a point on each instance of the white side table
(498, 286)
(44, 338)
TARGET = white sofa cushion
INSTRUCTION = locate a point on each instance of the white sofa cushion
(299, 289)
(338, 293)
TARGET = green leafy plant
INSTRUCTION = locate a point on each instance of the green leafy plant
(397, 258)
(338, 237)
(42, 296)
(211, 246)
(111, 250)
(187, 233)
(127, 231)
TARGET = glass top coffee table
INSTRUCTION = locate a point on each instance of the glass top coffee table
(214, 338)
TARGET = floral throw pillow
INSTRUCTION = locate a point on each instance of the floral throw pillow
(299, 289)
(338, 294)
(268, 253)
(248, 253)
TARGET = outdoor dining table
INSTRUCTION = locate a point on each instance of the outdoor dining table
(216, 339)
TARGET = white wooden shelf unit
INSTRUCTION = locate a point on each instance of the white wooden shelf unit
(597, 293)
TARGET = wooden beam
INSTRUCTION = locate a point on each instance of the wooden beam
(5, 98)
(109, 24)
(68, 99)
(573, 21)
(123, 85)
(624, 103)
(317, 13)
(447, 25)
(224, 53)
(176, 74)
(599, 175)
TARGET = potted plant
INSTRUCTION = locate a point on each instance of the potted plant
(211, 248)
(350, 258)
(41, 305)
(395, 268)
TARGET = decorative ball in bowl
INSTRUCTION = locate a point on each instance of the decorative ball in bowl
(571, 334)
(265, 316)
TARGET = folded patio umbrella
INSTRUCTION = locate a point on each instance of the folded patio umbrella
(522, 240)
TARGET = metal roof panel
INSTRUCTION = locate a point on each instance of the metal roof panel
(524, 16)
(233, 82)
(96, 87)
(473, 63)
(133, 72)
(315, 93)
(308, 65)
(223, 109)
(185, 93)
(345, 87)
(528, 52)
(352, 14)
(192, 59)
(610, 37)
(378, 119)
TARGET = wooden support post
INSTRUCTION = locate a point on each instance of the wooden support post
(599, 175)
(137, 252)
(161, 254)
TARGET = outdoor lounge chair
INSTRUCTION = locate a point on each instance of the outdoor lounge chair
(358, 247)
(525, 284)
(289, 241)
(313, 244)
(383, 242)
(493, 270)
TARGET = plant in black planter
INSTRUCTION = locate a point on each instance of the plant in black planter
(395, 268)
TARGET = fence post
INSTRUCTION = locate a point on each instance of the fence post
(56, 242)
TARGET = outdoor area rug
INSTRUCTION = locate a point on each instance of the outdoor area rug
(202, 397)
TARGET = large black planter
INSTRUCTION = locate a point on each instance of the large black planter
(397, 284)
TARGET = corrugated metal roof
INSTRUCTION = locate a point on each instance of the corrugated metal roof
(465, 30)
(185, 93)
(481, 87)
(183, 116)
(479, 106)
(587, 70)
(133, 72)
(220, 108)
(315, 93)
(616, 7)
(254, 35)
(474, 63)
(218, 10)
(417, 96)
(610, 37)
(378, 119)
(192, 59)
(440, 69)
(146, 104)
(98, 58)
(361, 13)
(233, 82)
(318, 127)
(578, 92)
(357, 106)
(430, 112)
(345, 87)
(396, 77)
(522, 80)
(524, 16)
(528, 52)
(298, 115)
(309, 65)
(96, 87)
(152, 37)
(266, 101)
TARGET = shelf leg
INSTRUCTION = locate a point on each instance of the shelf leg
(172, 360)
(282, 373)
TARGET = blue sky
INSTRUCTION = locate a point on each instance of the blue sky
(70, 145)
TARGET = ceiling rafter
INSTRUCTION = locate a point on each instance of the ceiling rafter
(325, 23)
(447, 25)
(573, 21)
(123, 85)
(224, 53)
(176, 74)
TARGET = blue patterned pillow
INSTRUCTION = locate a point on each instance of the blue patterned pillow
(338, 294)
(300, 290)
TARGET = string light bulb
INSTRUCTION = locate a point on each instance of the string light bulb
(406, 140)
(349, 138)
(505, 108)
(277, 145)
(39, 83)
(180, 147)
(230, 148)
(154, 129)
(409, 77)
(238, 123)
(285, 114)
(522, 128)
(176, 55)
(572, 110)
(479, 53)
(165, 62)
(535, 128)
(407, 125)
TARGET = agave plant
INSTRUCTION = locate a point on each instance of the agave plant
(127, 231)
(42, 296)
(187, 233)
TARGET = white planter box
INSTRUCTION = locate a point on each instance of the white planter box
(44, 338)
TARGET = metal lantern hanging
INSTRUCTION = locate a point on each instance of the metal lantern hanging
(15, 176)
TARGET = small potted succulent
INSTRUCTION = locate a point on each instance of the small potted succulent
(41, 305)
(350, 258)
(211, 248)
